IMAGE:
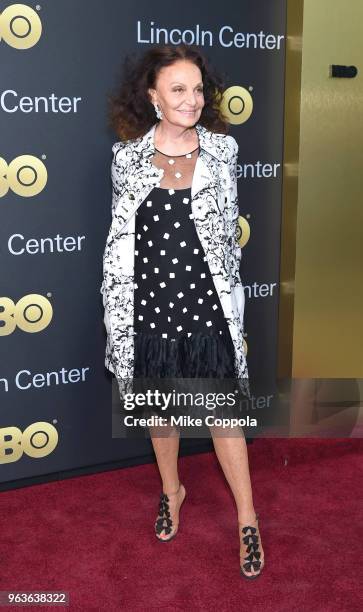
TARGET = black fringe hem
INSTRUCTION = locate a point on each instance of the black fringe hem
(200, 355)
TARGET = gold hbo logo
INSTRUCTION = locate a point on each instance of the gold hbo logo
(37, 441)
(26, 176)
(243, 231)
(20, 26)
(237, 104)
(32, 313)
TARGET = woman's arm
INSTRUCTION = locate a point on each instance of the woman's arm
(117, 174)
(234, 228)
(117, 180)
(234, 211)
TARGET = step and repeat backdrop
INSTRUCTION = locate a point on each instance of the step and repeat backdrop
(59, 61)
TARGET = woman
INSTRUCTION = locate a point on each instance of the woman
(173, 297)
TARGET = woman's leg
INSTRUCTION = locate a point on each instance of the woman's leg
(233, 457)
(166, 451)
(165, 441)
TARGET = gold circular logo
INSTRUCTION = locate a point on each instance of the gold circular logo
(237, 104)
(26, 176)
(243, 231)
(39, 439)
(20, 26)
(33, 313)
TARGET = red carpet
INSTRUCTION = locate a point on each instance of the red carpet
(93, 535)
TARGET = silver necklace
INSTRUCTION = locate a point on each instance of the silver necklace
(171, 159)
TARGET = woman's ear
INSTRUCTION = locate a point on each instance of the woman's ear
(152, 95)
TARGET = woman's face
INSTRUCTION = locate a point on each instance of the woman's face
(179, 93)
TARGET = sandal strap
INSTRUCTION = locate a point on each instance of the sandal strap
(248, 527)
(252, 541)
(164, 520)
(159, 527)
(252, 564)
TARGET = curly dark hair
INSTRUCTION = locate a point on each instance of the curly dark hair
(131, 113)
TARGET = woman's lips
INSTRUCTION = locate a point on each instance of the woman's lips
(187, 112)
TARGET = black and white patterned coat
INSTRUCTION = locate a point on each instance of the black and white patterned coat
(214, 204)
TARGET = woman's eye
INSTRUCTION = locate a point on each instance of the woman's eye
(200, 89)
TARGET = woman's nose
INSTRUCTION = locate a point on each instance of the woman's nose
(191, 99)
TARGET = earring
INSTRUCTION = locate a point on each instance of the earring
(158, 112)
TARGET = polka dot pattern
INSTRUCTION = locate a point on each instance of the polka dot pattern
(174, 292)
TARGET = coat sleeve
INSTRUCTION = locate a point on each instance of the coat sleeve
(117, 174)
(234, 211)
(233, 238)
(118, 182)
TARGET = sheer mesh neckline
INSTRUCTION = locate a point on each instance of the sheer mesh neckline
(178, 170)
(168, 188)
(172, 156)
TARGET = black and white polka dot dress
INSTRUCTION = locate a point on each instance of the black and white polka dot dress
(179, 326)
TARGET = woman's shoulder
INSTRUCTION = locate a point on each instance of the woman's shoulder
(227, 141)
(222, 144)
(120, 146)
(123, 150)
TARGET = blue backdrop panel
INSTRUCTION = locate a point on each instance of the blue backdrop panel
(58, 63)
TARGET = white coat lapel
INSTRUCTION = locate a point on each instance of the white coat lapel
(143, 176)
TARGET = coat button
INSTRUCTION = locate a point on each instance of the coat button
(131, 196)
